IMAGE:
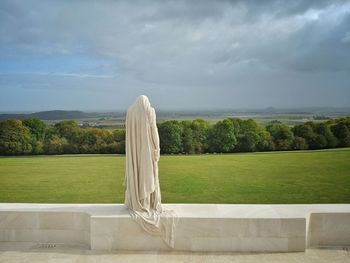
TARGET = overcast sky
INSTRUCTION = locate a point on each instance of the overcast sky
(87, 55)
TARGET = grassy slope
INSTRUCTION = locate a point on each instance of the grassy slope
(275, 177)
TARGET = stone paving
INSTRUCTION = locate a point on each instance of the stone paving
(51, 255)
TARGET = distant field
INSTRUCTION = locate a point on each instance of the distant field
(289, 120)
(111, 122)
(274, 177)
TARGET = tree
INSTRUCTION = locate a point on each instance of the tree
(120, 147)
(282, 135)
(251, 136)
(119, 138)
(187, 137)
(55, 145)
(305, 131)
(319, 142)
(247, 141)
(37, 146)
(299, 143)
(50, 132)
(119, 135)
(342, 133)
(324, 131)
(221, 137)
(265, 142)
(317, 136)
(170, 137)
(36, 127)
(37, 130)
(200, 129)
(92, 140)
(187, 140)
(236, 125)
(15, 138)
(69, 129)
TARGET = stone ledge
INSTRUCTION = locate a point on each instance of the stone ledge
(201, 227)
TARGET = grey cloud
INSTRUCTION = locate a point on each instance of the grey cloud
(220, 49)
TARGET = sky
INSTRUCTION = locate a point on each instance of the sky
(101, 55)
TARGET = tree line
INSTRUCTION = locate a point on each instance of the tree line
(32, 136)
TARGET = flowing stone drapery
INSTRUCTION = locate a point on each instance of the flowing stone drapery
(142, 193)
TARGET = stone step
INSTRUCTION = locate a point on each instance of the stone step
(201, 227)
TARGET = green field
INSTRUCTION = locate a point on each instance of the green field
(321, 176)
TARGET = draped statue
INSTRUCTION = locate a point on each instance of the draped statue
(142, 193)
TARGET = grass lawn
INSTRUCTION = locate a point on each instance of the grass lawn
(321, 176)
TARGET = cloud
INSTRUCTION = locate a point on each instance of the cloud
(205, 54)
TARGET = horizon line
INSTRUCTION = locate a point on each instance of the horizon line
(184, 109)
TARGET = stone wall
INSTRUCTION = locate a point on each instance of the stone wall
(201, 227)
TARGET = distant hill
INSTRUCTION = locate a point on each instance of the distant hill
(168, 114)
(261, 111)
(50, 115)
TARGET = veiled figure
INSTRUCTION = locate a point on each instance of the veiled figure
(142, 193)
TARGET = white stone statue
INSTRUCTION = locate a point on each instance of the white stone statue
(142, 193)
